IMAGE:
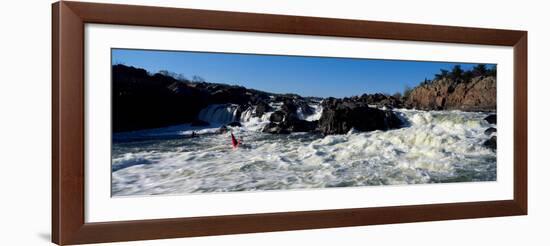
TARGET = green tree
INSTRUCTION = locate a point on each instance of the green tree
(457, 72)
(492, 71)
(425, 82)
(468, 75)
(480, 70)
(443, 74)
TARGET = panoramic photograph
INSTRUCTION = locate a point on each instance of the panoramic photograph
(199, 122)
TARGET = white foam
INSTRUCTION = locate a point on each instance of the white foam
(316, 115)
(219, 113)
(436, 147)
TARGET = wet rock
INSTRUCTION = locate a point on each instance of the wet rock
(490, 131)
(304, 107)
(491, 143)
(277, 116)
(492, 119)
(290, 124)
(261, 108)
(297, 125)
(341, 115)
(235, 124)
(289, 108)
(275, 128)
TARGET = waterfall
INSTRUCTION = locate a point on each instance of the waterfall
(219, 113)
(315, 115)
(317, 112)
(247, 114)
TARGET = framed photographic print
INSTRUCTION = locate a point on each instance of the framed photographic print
(177, 122)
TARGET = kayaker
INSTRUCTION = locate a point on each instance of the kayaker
(234, 141)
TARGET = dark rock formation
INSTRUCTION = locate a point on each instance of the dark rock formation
(234, 124)
(289, 107)
(477, 94)
(491, 143)
(303, 107)
(381, 100)
(492, 119)
(142, 101)
(275, 128)
(261, 108)
(287, 113)
(286, 120)
(198, 122)
(490, 131)
(341, 115)
(277, 116)
(291, 125)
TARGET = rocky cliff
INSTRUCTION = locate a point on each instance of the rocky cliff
(476, 94)
(142, 100)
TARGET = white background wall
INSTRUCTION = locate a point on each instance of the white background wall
(25, 122)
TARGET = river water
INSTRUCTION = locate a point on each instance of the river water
(433, 147)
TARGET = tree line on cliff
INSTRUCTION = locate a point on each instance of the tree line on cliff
(457, 89)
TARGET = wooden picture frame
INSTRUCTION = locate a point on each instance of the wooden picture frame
(68, 223)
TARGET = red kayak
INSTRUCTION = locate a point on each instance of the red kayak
(234, 141)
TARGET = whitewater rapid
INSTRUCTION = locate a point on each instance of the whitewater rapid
(433, 147)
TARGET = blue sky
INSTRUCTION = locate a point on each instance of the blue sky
(306, 76)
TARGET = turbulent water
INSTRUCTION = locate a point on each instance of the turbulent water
(433, 147)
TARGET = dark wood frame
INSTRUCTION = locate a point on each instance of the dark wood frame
(68, 224)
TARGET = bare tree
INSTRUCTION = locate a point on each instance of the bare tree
(198, 79)
(407, 91)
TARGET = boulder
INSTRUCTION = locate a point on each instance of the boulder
(261, 108)
(277, 116)
(304, 107)
(275, 128)
(286, 120)
(490, 131)
(287, 127)
(492, 119)
(341, 115)
(289, 108)
(234, 124)
(297, 125)
(491, 143)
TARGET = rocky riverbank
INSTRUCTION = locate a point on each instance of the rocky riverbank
(142, 101)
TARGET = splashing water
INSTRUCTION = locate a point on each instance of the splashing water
(316, 115)
(434, 147)
(219, 113)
